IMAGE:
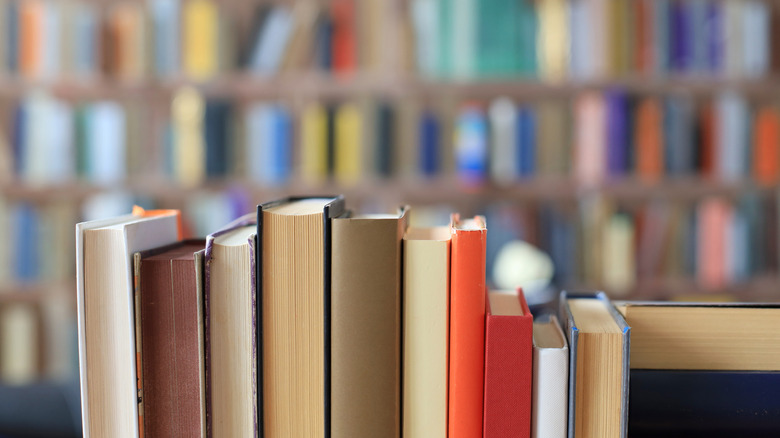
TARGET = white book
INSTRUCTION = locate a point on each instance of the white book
(165, 27)
(47, 152)
(579, 53)
(19, 343)
(503, 139)
(51, 46)
(106, 324)
(549, 412)
(257, 124)
(272, 43)
(755, 38)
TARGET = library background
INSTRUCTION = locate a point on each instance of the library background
(625, 146)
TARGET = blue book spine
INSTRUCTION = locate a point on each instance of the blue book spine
(681, 37)
(661, 31)
(217, 137)
(428, 137)
(26, 243)
(281, 145)
(526, 142)
(165, 20)
(12, 38)
(471, 148)
(19, 128)
(714, 32)
(324, 42)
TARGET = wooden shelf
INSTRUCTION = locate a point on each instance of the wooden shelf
(435, 191)
(241, 85)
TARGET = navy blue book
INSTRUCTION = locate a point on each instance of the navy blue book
(681, 38)
(217, 135)
(323, 43)
(704, 404)
(526, 141)
(428, 138)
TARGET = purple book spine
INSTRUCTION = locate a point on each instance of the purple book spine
(714, 31)
(617, 133)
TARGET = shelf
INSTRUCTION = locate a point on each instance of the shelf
(37, 292)
(435, 191)
(314, 84)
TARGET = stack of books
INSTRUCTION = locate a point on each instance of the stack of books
(305, 319)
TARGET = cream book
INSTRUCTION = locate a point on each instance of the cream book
(106, 323)
(366, 325)
(549, 407)
(426, 331)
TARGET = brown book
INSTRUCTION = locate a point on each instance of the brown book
(169, 320)
(366, 325)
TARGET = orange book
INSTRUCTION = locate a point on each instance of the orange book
(649, 141)
(467, 327)
(714, 219)
(708, 141)
(344, 41)
(31, 29)
(766, 144)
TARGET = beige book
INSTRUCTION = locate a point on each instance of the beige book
(105, 303)
(366, 325)
(19, 343)
(294, 279)
(189, 149)
(686, 336)
(426, 324)
(231, 342)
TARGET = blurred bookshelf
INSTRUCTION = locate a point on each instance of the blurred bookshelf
(640, 137)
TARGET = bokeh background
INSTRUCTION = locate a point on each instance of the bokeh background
(631, 146)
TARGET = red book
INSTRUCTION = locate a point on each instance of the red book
(766, 146)
(467, 327)
(508, 366)
(344, 40)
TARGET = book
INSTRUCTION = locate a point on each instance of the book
(429, 139)
(471, 147)
(188, 154)
(713, 219)
(105, 304)
(526, 142)
(467, 327)
(268, 143)
(690, 336)
(200, 29)
(598, 366)
(20, 343)
(166, 27)
(344, 37)
(703, 403)
(590, 141)
(649, 140)
(766, 146)
(425, 330)
(105, 143)
(503, 150)
(553, 40)
(366, 327)
(385, 140)
(549, 405)
(508, 365)
(232, 330)
(314, 143)
(170, 339)
(349, 146)
(295, 280)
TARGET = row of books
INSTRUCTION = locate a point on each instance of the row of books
(594, 138)
(267, 329)
(45, 39)
(594, 39)
(714, 242)
(37, 247)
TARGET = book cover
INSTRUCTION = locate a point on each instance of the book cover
(508, 365)
(526, 141)
(165, 23)
(217, 134)
(429, 139)
(366, 328)
(590, 147)
(503, 151)
(649, 140)
(467, 327)
(766, 146)
(344, 39)
(314, 143)
(471, 148)
(200, 22)
(349, 146)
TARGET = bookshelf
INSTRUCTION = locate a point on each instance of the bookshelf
(385, 71)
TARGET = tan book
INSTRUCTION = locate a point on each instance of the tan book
(294, 279)
(686, 336)
(19, 343)
(598, 366)
(426, 331)
(107, 347)
(231, 330)
(366, 325)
